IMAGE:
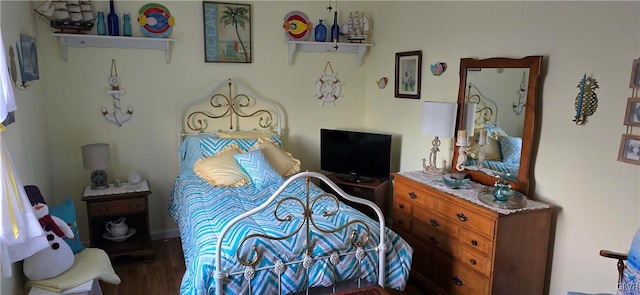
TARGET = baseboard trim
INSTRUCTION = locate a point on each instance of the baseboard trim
(167, 234)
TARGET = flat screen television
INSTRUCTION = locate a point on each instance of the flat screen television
(356, 156)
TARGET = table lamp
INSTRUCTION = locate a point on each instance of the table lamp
(438, 119)
(96, 157)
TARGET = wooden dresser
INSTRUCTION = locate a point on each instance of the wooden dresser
(462, 247)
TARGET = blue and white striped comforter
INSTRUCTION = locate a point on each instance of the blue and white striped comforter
(201, 211)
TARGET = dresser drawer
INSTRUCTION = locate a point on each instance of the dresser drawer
(476, 260)
(117, 207)
(401, 220)
(435, 238)
(476, 241)
(437, 222)
(414, 194)
(467, 218)
(454, 278)
(402, 205)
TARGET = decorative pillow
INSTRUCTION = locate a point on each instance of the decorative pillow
(67, 212)
(491, 149)
(281, 160)
(258, 168)
(190, 150)
(511, 148)
(211, 146)
(246, 134)
(222, 169)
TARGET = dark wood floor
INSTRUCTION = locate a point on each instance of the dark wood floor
(163, 276)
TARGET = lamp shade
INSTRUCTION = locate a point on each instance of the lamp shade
(469, 117)
(439, 118)
(96, 156)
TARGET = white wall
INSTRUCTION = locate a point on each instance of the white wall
(575, 167)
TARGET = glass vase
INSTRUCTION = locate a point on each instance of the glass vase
(502, 191)
(320, 32)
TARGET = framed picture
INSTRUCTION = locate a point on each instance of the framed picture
(635, 74)
(227, 32)
(629, 149)
(408, 74)
(632, 114)
(28, 59)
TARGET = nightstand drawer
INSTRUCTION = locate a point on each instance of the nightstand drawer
(467, 218)
(117, 207)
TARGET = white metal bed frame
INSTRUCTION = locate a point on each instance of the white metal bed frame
(192, 122)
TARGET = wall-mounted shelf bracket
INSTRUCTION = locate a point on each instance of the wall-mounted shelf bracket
(81, 40)
(358, 48)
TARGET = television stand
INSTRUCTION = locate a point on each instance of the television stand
(375, 190)
(355, 179)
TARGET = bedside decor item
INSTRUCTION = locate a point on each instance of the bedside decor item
(408, 74)
(227, 32)
(297, 26)
(587, 100)
(438, 68)
(632, 113)
(438, 119)
(117, 228)
(155, 20)
(68, 16)
(356, 27)
(320, 32)
(118, 117)
(112, 20)
(101, 27)
(629, 149)
(123, 238)
(134, 178)
(97, 157)
(328, 87)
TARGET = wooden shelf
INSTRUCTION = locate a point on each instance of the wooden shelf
(83, 40)
(358, 48)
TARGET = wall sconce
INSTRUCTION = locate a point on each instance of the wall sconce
(438, 119)
(463, 135)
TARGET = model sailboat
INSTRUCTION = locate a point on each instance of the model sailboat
(356, 27)
(68, 15)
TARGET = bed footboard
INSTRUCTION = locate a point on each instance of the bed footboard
(360, 239)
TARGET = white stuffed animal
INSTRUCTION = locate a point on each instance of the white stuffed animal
(58, 257)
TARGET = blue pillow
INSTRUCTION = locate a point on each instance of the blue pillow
(190, 150)
(258, 168)
(511, 148)
(67, 212)
(211, 146)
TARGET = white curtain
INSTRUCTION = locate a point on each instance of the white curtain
(20, 234)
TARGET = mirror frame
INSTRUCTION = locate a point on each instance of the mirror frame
(534, 64)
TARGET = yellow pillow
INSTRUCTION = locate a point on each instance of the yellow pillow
(222, 169)
(282, 161)
(491, 149)
(245, 134)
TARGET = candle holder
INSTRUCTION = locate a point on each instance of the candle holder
(587, 100)
(462, 156)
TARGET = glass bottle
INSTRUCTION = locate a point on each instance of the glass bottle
(320, 32)
(126, 25)
(502, 190)
(101, 27)
(112, 20)
(335, 29)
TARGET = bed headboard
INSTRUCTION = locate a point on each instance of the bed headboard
(486, 109)
(228, 106)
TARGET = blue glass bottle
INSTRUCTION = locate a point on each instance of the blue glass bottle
(320, 32)
(101, 27)
(126, 25)
(112, 21)
(335, 29)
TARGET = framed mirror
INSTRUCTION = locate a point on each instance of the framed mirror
(498, 96)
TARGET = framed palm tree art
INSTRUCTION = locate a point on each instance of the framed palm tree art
(227, 32)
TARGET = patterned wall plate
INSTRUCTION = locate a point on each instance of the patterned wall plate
(297, 26)
(155, 20)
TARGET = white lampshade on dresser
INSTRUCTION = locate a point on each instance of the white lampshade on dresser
(96, 157)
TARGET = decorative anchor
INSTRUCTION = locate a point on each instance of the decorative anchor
(118, 117)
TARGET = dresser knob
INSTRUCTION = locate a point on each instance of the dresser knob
(462, 217)
(412, 195)
(434, 222)
(474, 243)
(473, 261)
(401, 206)
(433, 240)
(102, 209)
(457, 281)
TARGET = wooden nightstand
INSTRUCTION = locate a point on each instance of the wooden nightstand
(375, 191)
(129, 201)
